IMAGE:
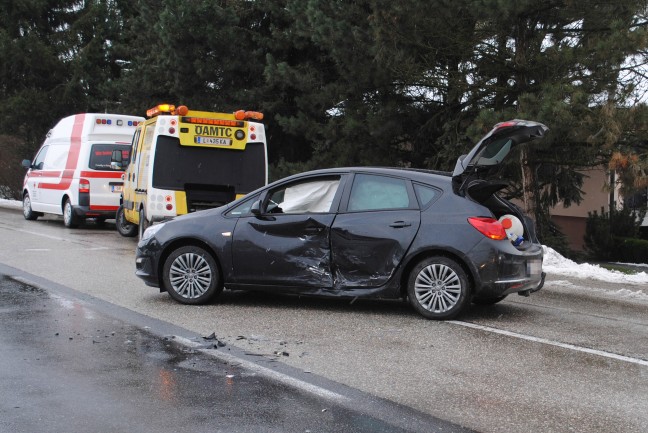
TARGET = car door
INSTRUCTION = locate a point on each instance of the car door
(374, 229)
(286, 242)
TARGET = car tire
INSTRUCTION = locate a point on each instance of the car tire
(143, 223)
(488, 301)
(28, 213)
(191, 276)
(125, 228)
(438, 288)
(69, 218)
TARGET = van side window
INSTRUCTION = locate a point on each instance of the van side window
(56, 157)
(136, 137)
(39, 161)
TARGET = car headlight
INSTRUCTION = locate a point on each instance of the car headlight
(151, 231)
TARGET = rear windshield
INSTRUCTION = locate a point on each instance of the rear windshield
(101, 154)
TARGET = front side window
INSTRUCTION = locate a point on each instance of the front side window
(371, 192)
(243, 209)
(39, 161)
(314, 195)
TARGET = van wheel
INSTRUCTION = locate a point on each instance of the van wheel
(28, 213)
(69, 218)
(125, 228)
(143, 223)
(438, 288)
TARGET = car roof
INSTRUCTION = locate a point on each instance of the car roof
(422, 175)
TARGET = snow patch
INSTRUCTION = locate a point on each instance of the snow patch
(556, 264)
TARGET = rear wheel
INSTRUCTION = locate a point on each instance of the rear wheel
(191, 276)
(124, 227)
(438, 288)
(69, 218)
(28, 213)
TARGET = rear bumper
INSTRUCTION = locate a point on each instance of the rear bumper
(522, 287)
(95, 212)
(503, 271)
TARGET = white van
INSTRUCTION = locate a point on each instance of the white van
(72, 174)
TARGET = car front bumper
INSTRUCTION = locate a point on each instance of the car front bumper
(146, 262)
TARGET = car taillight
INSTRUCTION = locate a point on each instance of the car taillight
(489, 227)
(84, 185)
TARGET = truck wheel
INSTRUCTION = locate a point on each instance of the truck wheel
(28, 213)
(143, 223)
(125, 228)
(69, 218)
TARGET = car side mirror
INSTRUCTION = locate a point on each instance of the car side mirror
(26, 163)
(256, 208)
(116, 160)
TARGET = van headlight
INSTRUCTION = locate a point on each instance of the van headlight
(151, 231)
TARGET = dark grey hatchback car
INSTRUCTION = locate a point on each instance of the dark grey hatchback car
(438, 239)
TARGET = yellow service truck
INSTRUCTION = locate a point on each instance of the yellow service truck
(183, 160)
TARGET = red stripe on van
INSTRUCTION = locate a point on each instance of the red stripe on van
(73, 156)
(93, 207)
(102, 174)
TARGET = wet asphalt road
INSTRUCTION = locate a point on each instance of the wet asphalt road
(66, 367)
(570, 358)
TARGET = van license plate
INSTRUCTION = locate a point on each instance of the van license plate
(116, 188)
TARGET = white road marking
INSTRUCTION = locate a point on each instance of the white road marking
(552, 343)
(37, 234)
(38, 249)
(264, 371)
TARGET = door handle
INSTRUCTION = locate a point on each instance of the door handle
(314, 229)
(399, 224)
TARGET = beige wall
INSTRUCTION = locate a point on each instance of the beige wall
(572, 220)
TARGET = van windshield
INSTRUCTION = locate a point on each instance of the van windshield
(100, 156)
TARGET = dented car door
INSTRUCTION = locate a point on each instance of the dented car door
(286, 242)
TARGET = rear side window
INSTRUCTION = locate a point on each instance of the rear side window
(100, 156)
(372, 192)
(425, 194)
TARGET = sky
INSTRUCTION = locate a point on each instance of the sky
(553, 264)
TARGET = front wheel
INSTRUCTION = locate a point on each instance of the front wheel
(191, 276)
(438, 288)
(124, 227)
(28, 213)
(69, 218)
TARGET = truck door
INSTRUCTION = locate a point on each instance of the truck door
(130, 176)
